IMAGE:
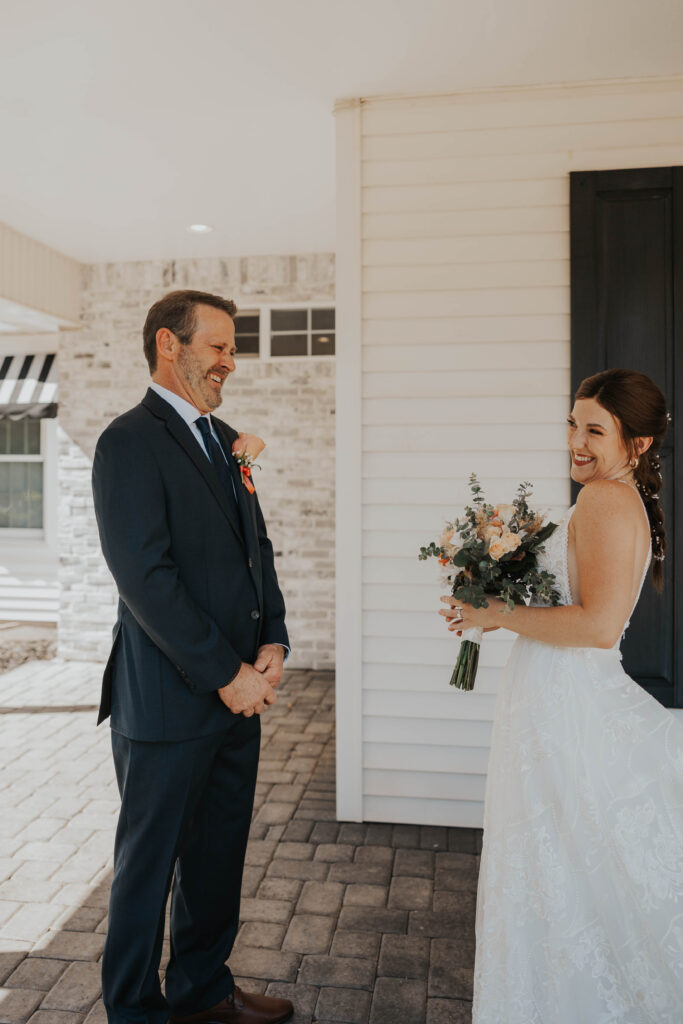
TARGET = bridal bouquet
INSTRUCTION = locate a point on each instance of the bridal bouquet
(492, 550)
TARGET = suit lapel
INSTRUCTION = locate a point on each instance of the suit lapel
(246, 504)
(185, 438)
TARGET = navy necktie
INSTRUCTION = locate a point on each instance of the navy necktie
(217, 458)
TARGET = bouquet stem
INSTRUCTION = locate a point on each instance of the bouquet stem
(465, 671)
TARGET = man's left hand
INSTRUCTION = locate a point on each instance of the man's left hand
(269, 661)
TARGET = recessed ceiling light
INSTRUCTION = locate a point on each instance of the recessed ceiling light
(200, 229)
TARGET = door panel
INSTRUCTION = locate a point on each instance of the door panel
(627, 303)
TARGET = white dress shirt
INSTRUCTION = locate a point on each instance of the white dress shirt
(188, 412)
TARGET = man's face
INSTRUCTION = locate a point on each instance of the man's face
(202, 367)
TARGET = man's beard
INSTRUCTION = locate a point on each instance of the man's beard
(191, 369)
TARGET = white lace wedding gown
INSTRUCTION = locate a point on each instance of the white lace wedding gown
(580, 901)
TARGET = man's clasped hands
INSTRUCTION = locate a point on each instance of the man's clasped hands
(253, 688)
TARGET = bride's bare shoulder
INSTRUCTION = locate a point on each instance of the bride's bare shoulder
(608, 500)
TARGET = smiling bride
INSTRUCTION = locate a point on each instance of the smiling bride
(580, 901)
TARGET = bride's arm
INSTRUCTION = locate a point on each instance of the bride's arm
(605, 525)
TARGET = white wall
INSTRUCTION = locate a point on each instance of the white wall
(453, 287)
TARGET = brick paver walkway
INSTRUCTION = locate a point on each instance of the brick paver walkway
(364, 924)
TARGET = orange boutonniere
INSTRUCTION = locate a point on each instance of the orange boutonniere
(246, 464)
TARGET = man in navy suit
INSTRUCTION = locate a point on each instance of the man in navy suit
(198, 650)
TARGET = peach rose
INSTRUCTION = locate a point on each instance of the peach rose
(505, 512)
(504, 545)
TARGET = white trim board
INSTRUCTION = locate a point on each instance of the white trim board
(348, 467)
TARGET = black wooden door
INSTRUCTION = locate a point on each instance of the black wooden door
(627, 311)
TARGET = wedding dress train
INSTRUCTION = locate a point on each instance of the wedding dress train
(580, 900)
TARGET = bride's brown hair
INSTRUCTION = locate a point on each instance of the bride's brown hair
(639, 407)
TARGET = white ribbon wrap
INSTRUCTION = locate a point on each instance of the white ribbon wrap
(475, 634)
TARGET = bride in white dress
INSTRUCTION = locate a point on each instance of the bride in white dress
(580, 900)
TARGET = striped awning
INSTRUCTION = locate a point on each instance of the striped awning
(28, 387)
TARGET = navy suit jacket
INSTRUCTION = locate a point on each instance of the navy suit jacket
(197, 584)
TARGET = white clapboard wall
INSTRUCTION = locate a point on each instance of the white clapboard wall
(453, 356)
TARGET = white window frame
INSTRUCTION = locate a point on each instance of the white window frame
(37, 345)
(264, 328)
(48, 459)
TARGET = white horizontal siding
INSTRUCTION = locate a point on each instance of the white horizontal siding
(485, 436)
(410, 784)
(404, 506)
(496, 302)
(451, 330)
(464, 243)
(421, 650)
(407, 810)
(470, 410)
(487, 382)
(414, 252)
(446, 757)
(446, 224)
(471, 196)
(460, 276)
(522, 140)
(385, 728)
(34, 276)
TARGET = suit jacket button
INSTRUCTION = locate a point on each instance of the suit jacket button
(251, 563)
(255, 614)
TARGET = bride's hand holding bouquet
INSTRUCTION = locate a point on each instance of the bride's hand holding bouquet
(490, 557)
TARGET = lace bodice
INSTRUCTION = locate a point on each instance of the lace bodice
(553, 558)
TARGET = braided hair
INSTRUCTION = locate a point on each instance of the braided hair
(639, 407)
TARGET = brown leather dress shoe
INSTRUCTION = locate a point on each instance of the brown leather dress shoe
(242, 1008)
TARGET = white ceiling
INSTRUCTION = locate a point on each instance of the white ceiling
(122, 124)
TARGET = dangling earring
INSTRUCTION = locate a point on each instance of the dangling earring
(634, 462)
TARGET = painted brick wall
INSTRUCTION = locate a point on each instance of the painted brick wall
(102, 372)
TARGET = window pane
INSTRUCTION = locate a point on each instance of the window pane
(20, 437)
(323, 344)
(289, 320)
(32, 437)
(17, 438)
(21, 495)
(247, 345)
(247, 324)
(4, 494)
(247, 334)
(322, 319)
(34, 500)
(289, 345)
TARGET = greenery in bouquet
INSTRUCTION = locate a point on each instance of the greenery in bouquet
(492, 551)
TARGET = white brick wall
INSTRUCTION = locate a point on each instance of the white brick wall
(102, 372)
